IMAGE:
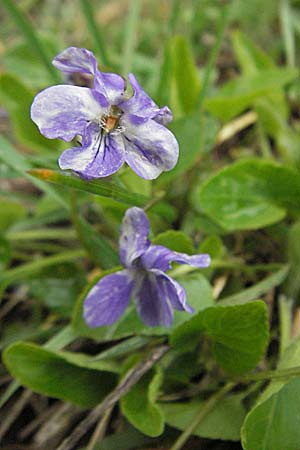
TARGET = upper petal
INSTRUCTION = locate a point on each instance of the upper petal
(133, 240)
(150, 148)
(160, 257)
(114, 86)
(100, 156)
(108, 299)
(74, 59)
(140, 103)
(63, 111)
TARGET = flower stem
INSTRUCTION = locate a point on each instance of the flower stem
(200, 416)
(270, 375)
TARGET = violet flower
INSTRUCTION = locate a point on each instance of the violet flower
(144, 279)
(113, 128)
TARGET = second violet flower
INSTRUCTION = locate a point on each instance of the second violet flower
(144, 279)
(113, 129)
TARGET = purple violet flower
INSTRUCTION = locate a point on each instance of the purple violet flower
(113, 129)
(156, 294)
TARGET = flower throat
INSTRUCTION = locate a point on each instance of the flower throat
(110, 122)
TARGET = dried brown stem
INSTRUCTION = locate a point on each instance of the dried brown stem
(100, 430)
(130, 379)
(14, 412)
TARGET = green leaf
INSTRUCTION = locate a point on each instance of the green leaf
(196, 134)
(5, 253)
(273, 423)
(224, 421)
(215, 248)
(43, 371)
(180, 84)
(292, 285)
(253, 59)
(239, 334)
(244, 195)
(136, 184)
(275, 125)
(64, 337)
(97, 187)
(17, 98)
(241, 93)
(58, 290)
(175, 240)
(127, 439)
(140, 408)
(185, 74)
(250, 57)
(97, 246)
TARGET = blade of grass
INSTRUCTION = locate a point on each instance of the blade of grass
(223, 20)
(12, 275)
(95, 31)
(174, 15)
(287, 29)
(97, 247)
(260, 288)
(99, 187)
(26, 28)
(285, 322)
(130, 35)
(41, 234)
(16, 161)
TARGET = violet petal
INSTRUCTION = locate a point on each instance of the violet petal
(114, 86)
(160, 257)
(109, 85)
(134, 233)
(150, 148)
(140, 104)
(164, 115)
(103, 156)
(108, 299)
(63, 111)
(153, 305)
(74, 59)
(173, 291)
